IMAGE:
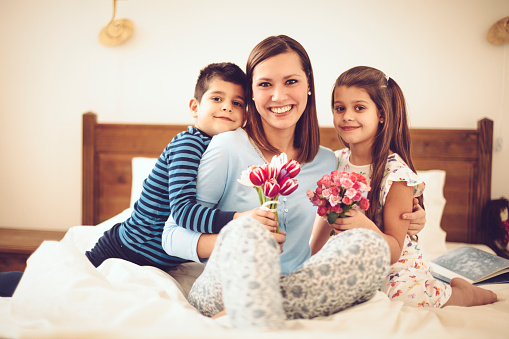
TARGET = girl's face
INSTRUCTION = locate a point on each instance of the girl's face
(280, 88)
(356, 116)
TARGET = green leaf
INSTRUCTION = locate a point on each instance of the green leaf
(331, 217)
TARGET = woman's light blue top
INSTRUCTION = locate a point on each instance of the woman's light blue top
(222, 163)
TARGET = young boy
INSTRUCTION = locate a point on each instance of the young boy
(217, 106)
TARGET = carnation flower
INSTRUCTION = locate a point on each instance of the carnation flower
(337, 193)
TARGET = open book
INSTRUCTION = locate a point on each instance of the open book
(472, 264)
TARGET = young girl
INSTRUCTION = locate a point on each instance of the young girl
(370, 117)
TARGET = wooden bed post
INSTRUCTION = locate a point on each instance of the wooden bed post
(88, 165)
(485, 154)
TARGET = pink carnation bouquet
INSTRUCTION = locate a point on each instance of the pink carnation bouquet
(337, 193)
(271, 180)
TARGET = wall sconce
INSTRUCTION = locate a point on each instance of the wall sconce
(499, 32)
(116, 31)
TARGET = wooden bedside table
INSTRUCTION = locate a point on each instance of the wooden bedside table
(16, 245)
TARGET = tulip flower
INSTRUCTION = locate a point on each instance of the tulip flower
(280, 160)
(288, 186)
(271, 188)
(271, 180)
(272, 171)
(258, 175)
(290, 169)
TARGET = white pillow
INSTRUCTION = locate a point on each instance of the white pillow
(432, 237)
(141, 168)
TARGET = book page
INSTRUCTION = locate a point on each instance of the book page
(471, 263)
(442, 273)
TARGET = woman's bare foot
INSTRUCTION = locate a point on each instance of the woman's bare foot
(466, 294)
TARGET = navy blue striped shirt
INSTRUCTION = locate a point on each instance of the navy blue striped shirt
(171, 188)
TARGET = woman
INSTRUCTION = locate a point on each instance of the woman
(243, 273)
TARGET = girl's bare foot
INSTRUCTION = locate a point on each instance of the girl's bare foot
(466, 294)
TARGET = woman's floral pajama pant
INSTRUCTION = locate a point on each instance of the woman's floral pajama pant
(243, 276)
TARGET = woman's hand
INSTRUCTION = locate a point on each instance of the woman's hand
(266, 218)
(417, 218)
(354, 219)
(280, 238)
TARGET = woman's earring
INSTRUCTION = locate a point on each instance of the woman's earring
(309, 93)
(252, 99)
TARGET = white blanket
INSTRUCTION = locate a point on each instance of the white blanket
(62, 295)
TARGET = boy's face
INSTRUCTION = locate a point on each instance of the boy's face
(222, 108)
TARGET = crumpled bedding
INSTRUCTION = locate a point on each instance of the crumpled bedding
(62, 295)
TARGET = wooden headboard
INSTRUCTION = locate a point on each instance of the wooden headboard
(465, 155)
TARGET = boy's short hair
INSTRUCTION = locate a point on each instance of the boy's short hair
(226, 71)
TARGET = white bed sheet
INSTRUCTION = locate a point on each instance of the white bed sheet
(63, 296)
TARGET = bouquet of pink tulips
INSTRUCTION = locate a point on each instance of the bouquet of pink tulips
(271, 180)
(337, 193)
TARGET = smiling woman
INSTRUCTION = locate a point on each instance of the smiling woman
(280, 92)
(259, 288)
(295, 81)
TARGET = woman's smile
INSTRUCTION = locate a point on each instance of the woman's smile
(280, 91)
(281, 109)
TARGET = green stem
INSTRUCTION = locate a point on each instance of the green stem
(263, 199)
(332, 217)
(277, 220)
(274, 206)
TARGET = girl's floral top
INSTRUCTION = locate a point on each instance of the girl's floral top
(409, 279)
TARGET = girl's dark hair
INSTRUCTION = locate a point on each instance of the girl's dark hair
(225, 71)
(393, 134)
(307, 133)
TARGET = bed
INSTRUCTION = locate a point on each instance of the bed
(63, 295)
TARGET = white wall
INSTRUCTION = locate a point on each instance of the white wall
(53, 68)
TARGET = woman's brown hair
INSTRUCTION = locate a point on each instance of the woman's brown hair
(393, 134)
(307, 133)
